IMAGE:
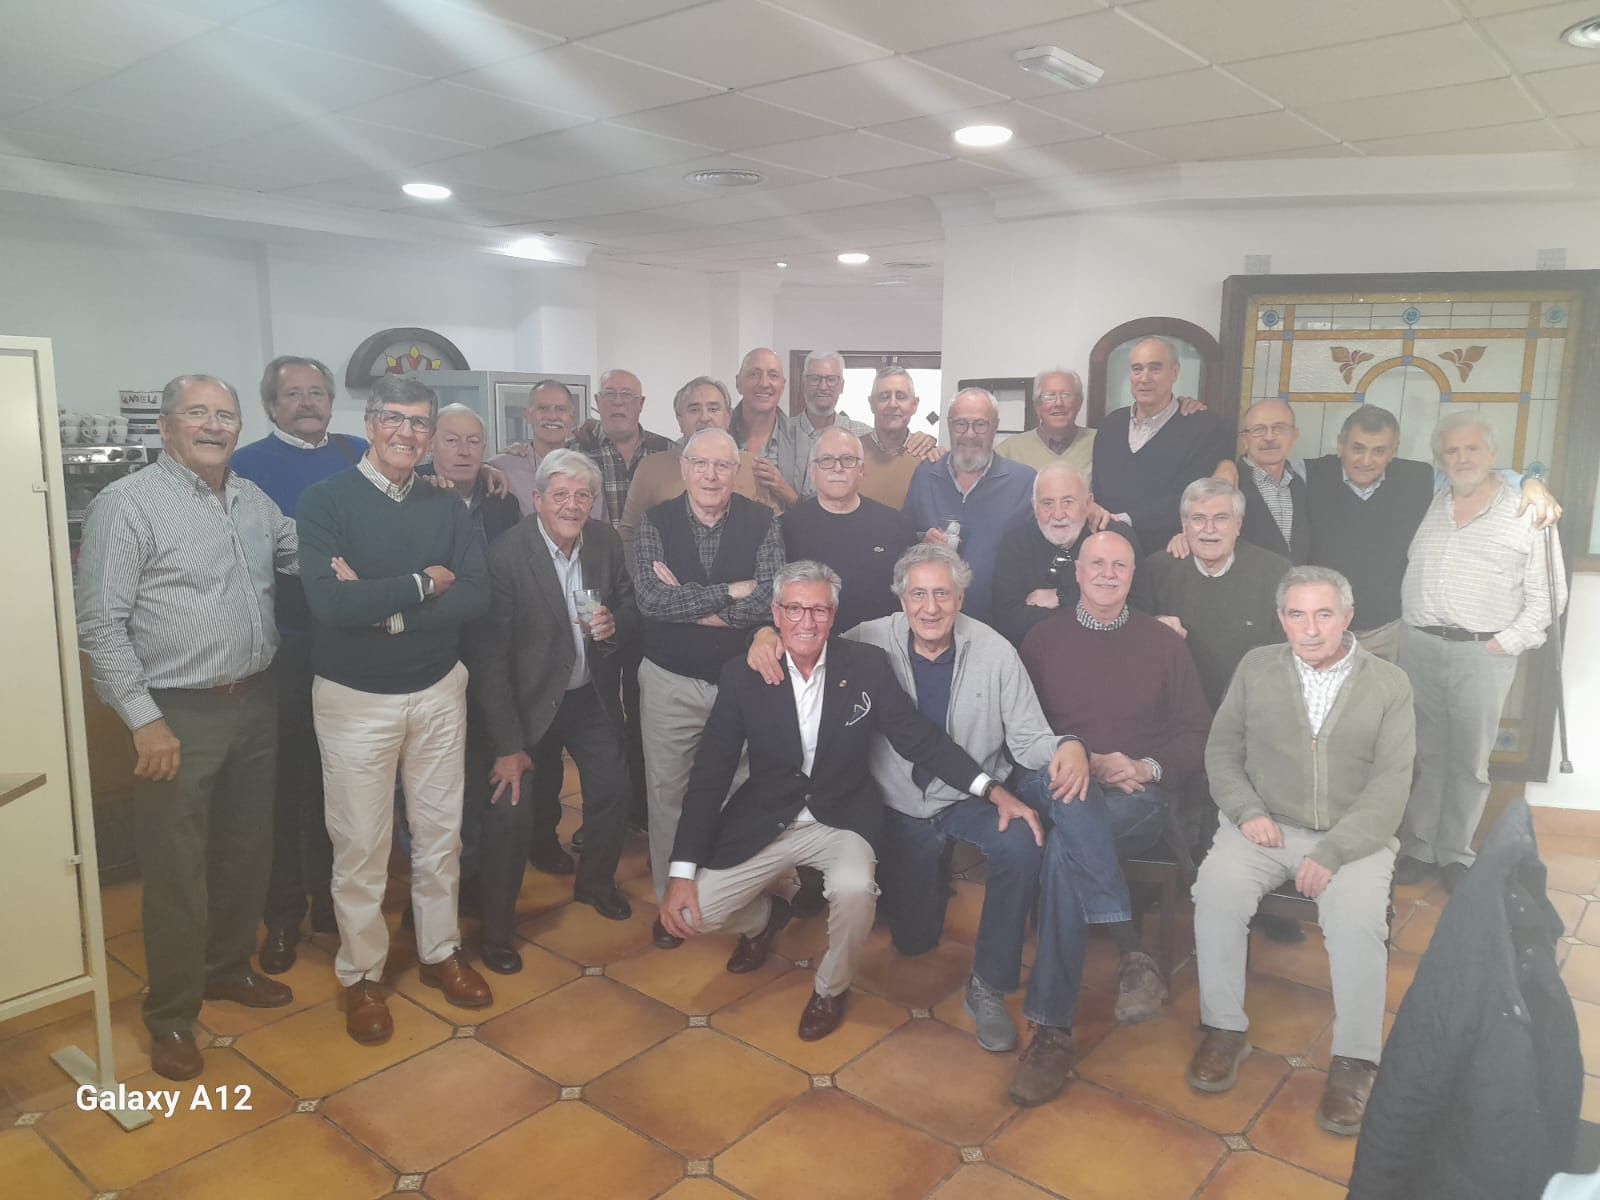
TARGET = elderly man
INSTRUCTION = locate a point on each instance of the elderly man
(1309, 760)
(1056, 436)
(1273, 484)
(175, 604)
(892, 450)
(1126, 685)
(1146, 454)
(821, 385)
(551, 416)
(297, 394)
(615, 440)
(759, 424)
(1476, 595)
(702, 573)
(1222, 594)
(808, 800)
(702, 403)
(393, 571)
(545, 671)
(857, 537)
(972, 496)
(1035, 573)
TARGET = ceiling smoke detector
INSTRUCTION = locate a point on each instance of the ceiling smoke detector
(1055, 63)
(723, 178)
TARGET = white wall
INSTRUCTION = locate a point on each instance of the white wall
(659, 325)
(871, 318)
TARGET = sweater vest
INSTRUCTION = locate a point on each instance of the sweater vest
(698, 651)
(1367, 541)
(1261, 529)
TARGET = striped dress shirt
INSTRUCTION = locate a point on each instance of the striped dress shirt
(1488, 576)
(175, 585)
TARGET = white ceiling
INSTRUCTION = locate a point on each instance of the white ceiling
(579, 118)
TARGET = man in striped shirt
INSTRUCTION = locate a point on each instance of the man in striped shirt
(175, 604)
(1476, 595)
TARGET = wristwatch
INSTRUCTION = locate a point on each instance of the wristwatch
(988, 788)
(429, 586)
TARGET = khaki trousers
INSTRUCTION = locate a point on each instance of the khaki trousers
(1353, 912)
(734, 899)
(1384, 641)
(365, 738)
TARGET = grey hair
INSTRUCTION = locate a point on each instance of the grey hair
(1369, 418)
(861, 451)
(1060, 468)
(1209, 488)
(988, 396)
(921, 554)
(1286, 406)
(1038, 380)
(547, 385)
(805, 570)
(1172, 347)
(605, 375)
(715, 434)
(451, 410)
(178, 384)
(890, 371)
(573, 463)
(822, 356)
(1463, 419)
(1305, 576)
(700, 381)
(270, 380)
(401, 389)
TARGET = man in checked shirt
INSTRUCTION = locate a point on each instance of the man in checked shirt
(1476, 595)
(175, 610)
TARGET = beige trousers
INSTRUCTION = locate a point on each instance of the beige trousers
(365, 738)
(734, 898)
(1384, 641)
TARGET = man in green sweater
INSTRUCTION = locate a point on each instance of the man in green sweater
(1310, 762)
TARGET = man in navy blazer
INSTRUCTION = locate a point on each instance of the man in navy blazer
(810, 799)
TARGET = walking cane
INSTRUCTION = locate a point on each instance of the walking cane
(1555, 634)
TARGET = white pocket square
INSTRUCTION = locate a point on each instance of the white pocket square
(859, 710)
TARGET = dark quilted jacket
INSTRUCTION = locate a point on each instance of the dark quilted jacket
(1482, 1078)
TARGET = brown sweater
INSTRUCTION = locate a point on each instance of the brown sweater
(1132, 690)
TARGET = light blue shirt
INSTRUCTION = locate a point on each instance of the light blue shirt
(569, 574)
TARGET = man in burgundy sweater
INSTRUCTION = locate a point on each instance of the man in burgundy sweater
(1127, 685)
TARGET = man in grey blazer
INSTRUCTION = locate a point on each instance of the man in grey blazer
(541, 671)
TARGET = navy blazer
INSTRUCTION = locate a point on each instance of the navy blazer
(861, 697)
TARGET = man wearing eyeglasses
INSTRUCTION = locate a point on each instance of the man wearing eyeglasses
(1273, 483)
(821, 386)
(986, 495)
(1057, 437)
(393, 571)
(703, 565)
(616, 441)
(175, 610)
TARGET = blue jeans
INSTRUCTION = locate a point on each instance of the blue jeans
(1082, 883)
(910, 873)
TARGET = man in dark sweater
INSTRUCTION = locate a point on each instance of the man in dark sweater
(1146, 454)
(1126, 685)
(859, 538)
(297, 394)
(703, 569)
(1275, 516)
(393, 569)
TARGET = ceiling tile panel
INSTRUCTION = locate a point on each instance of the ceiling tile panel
(1235, 136)
(1406, 62)
(1500, 139)
(107, 155)
(140, 138)
(449, 110)
(843, 153)
(601, 148)
(1111, 42)
(1465, 105)
(729, 121)
(12, 103)
(1077, 156)
(906, 25)
(39, 73)
(578, 79)
(211, 10)
(736, 44)
(1532, 39)
(576, 18)
(1206, 95)
(930, 179)
(1569, 90)
(113, 32)
(750, 205)
(1229, 30)
(1029, 127)
(1585, 127)
(876, 92)
(652, 188)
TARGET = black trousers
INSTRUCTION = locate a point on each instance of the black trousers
(302, 855)
(594, 739)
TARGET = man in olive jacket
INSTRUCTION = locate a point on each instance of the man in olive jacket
(1309, 760)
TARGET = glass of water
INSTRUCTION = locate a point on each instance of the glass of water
(587, 602)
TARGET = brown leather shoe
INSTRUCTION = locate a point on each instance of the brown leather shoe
(751, 952)
(1215, 1065)
(461, 985)
(1045, 1067)
(252, 991)
(1344, 1097)
(174, 1055)
(277, 952)
(1140, 989)
(821, 1016)
(366, 1013)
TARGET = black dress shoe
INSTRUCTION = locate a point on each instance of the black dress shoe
(662, 939)
(277, 950)
(751, 952)
(1278, 929)
(174, 1055)
(577, 839)
(502, 960)
(552, 860)
(1452, 874)
(1408, 870)
(821, 1016)
(610, 904)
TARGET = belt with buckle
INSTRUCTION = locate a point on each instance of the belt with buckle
(1451, 633)
(221, 689)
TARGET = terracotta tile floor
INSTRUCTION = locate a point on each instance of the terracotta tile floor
(612, 1070)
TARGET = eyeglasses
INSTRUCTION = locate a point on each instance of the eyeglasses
(979, 427)
(615, 394)
(387, 418)
(711, 466)
(825, 380)
(1051, 397)
(1202, 521)
(832, 462)
(1261, 431)
(201, 416)
(582, 498)
(818, 612)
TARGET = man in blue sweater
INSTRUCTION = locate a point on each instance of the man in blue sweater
(297, 394)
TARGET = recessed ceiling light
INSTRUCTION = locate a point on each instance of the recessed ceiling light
(783, 266)
(1585, 35)
(426, 191)
(723, 179)
(982, 135)
(854, 258)
(533, 247)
